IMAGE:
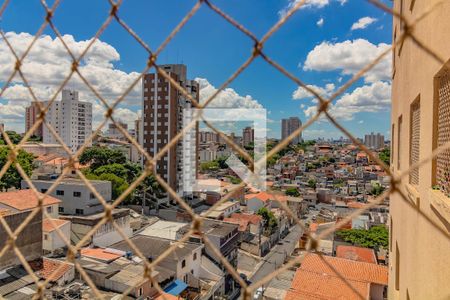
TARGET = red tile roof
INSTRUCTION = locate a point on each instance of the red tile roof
(355, 205)
(356, 253)
(44, 268)
(25, 199)
(99, 253)
(252, 218)
(316, 280)
(47, 225)
(264, 196)
(243, 224)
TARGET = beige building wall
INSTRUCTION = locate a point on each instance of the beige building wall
(419, 261)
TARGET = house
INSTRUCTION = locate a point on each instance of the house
(76, 197)
(55, 271)
(317, 278)
(106, 234)
(223, 210)
(15, 208)
(163, 229)
(26, 200)
(51, 238)
(356, 253)
(263, 199)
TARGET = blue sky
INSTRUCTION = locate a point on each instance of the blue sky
(323, 54)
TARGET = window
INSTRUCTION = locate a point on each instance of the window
(183, 263)
(195, 256)
(92, 196)
(49, 209)
(399, 135)
(140, 292)
(61, 209)
(77, 194)
(414, 150)
(442, 122)
(397, 268)
(45, 236)
(44, 190)
(79, 211)
(59, 193)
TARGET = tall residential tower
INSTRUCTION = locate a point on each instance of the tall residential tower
(288, 126)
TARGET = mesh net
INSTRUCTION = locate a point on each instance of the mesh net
(149, 266)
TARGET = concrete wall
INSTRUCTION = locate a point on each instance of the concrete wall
(54, 241)
(419, 253)
(29, 241)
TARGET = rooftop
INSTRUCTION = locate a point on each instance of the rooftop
(316, 279)
(25, 199)
(163, 229)
(356, 253)
(46, 267)
(106, 255)
(47, 225)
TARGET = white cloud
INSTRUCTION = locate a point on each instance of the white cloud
(228, 98)
(363, 23)
(375, 97)
(301, 93)
(320, 22)
(48, 64)
(360, 121)
(350, 57)
(307, 4)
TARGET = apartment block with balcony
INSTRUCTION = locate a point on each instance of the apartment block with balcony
(418, 251)
(162, 115)
(71, 119)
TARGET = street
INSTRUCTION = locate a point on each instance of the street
(275, 258)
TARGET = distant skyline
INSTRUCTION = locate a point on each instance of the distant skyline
(323, 44)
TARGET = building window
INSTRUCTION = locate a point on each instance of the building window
(79, 211)
(61, 209)
(183, 263)
(414, 150)
(59, 193)
(399, 135)
(92, 196)
(44, 190)
(397, 268)
(140, 292)
(46, 237)
(392, 143)
(77, 194)
(49, 209)
(442, 162)
(195, 256)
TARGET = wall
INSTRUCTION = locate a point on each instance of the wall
(29, 241)
(423, 259)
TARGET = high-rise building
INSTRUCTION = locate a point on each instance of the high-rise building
(31, 116)
(162, 115)
(374, 141)
(113, 131)
(71, 119)
(248, 136)
(419, 250)
(288, 126)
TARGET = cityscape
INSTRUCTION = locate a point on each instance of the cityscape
(327, 182)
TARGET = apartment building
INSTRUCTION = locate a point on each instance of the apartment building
(288, 126)
(162, 115)
(76, 198)
(31, 116)
(71, 119)
(418, 251)
(374, 141)
(248, 136)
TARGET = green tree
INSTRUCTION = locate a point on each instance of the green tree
(292, 192)
(13, 136)
(209, 166)
(12, 177)
(312, 183)
(270, 222)
(96, 157)
(377, 189)
(118, 185)
(385, 156)
(375, 237)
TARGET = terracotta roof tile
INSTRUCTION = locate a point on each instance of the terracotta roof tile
(252, 218)
(99, 253)
(44, 268)
(47, 225)
(25, 199)
(316, 280)
(356, 253)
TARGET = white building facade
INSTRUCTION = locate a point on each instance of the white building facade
(71, 119)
